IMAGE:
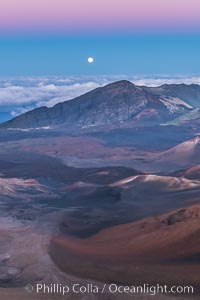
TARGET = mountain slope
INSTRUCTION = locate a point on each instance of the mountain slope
(184, 155)
(192, 173)
(188, 93)
(115, 103)
(150, 250)
(192, 117)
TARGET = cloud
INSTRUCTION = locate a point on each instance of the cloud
(18, 95)
(14, 95)
(160, 81)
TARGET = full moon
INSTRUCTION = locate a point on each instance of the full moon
(90, 60)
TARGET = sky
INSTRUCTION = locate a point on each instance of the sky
(45, 44)
(55, 37)
(71, 16)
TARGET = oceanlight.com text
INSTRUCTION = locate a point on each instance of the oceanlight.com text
(145, 289)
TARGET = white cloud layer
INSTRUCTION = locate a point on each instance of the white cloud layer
(18, 95)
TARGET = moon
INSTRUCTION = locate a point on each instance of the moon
(90, 60)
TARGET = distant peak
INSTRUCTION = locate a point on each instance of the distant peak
(121, 83)
(124, 82)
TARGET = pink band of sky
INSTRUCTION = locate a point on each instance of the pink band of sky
(101, 15)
